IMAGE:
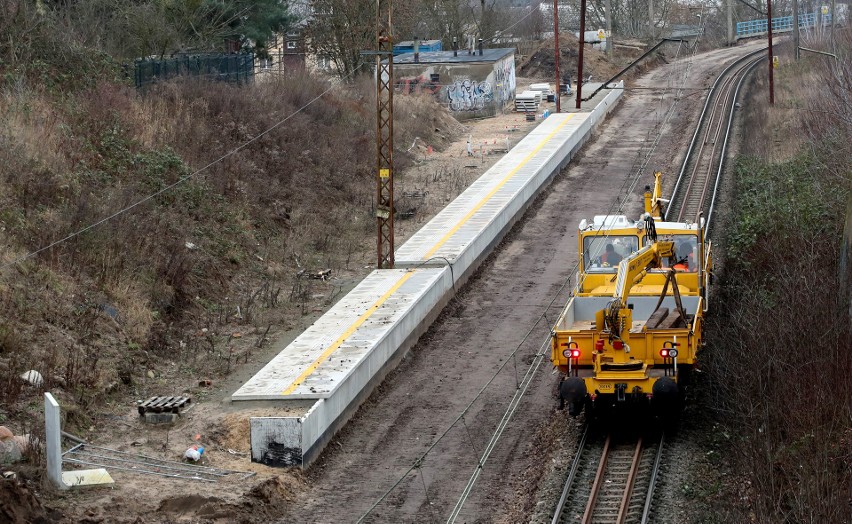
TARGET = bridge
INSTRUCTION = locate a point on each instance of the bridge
(781, 24)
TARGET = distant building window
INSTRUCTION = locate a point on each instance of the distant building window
(291, 44)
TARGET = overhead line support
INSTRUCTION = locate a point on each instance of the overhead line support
(384, 139)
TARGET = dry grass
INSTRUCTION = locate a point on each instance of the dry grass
(188, 283)
(781, 356)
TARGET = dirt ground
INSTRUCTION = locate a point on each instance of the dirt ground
(419, 401)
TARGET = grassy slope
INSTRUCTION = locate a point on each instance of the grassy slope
(159, 288)
(777, 443)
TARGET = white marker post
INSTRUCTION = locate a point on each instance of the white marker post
(53, 442)
(53, 445)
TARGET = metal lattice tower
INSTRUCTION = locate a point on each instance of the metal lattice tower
(384, 137)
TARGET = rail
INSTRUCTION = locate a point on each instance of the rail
(708, 146)
(625, 472)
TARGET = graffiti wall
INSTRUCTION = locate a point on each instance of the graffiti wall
(467, 89)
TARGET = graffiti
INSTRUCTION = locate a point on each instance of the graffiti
(469, 95)
(504, 77)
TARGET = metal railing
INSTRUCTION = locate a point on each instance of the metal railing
(239, 67)
(780, 24)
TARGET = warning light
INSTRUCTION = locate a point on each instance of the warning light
(575, 353)
(664, 353)
(599, 345)
(618, 344)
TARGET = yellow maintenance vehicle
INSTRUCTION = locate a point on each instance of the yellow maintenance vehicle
(633, 326)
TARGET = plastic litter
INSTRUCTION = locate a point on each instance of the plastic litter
(194, 453)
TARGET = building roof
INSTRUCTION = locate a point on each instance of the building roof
(446, 57)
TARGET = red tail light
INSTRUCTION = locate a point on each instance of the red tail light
(599, 344)
(664, 352)
(575, 353)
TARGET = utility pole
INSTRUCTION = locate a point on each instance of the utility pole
(731, 40)
(651, 18)
(608, 7)
(796, 27)
(384, 137)
(580, 57)
(833, 21)
(771, 59)
(556, 52)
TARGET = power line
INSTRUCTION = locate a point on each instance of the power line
(169, 187)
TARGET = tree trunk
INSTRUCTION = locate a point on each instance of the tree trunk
(845, 259)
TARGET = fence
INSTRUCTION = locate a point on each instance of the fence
(780, 24)
(219, 66)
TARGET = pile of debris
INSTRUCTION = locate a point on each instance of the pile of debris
(12, 447)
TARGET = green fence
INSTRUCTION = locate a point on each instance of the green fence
(237, 67)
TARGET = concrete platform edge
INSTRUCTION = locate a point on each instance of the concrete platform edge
(299, 440)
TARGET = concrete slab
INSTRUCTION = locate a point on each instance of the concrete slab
(87, 477)
(352, 346)
(466, 229)
(382, 310)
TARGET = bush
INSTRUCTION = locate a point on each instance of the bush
(781, 355)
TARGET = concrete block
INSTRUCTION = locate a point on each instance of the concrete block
(87, 477)
(160, 418)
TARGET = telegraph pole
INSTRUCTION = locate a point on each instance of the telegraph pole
(580, 57)
(771, 59)
(556, 52)
(651, 18)
(608, 7)
(384, 137)
(796, 26)
(731, 40)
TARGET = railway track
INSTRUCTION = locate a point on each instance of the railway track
(612, 477)
(611, 480)
(695, 188)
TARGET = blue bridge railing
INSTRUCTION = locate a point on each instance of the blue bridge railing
(780, 24)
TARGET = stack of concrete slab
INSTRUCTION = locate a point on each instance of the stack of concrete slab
(544, 88)
(527, 101)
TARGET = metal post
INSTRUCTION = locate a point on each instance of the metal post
(608, 7)
(796, 27)
(556, 52)
(651, 18)
(731, 38)
(833, 22)
(384, 140)
(580, 57)
(771, 64)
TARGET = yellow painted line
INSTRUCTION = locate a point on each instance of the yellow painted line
(491, 193)
(327, 353)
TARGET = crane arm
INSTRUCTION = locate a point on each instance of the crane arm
(634, 267)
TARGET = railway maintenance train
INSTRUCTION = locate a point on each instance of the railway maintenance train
(633, 326)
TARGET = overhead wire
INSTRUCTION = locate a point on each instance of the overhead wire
(616, 207)
(534, 366)
(171, 186)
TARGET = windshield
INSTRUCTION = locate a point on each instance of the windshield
(686, 252)
(601, 254)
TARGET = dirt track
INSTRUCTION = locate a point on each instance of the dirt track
(472, 338)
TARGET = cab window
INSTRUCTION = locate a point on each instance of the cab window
(601, 254)
(686, 252)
